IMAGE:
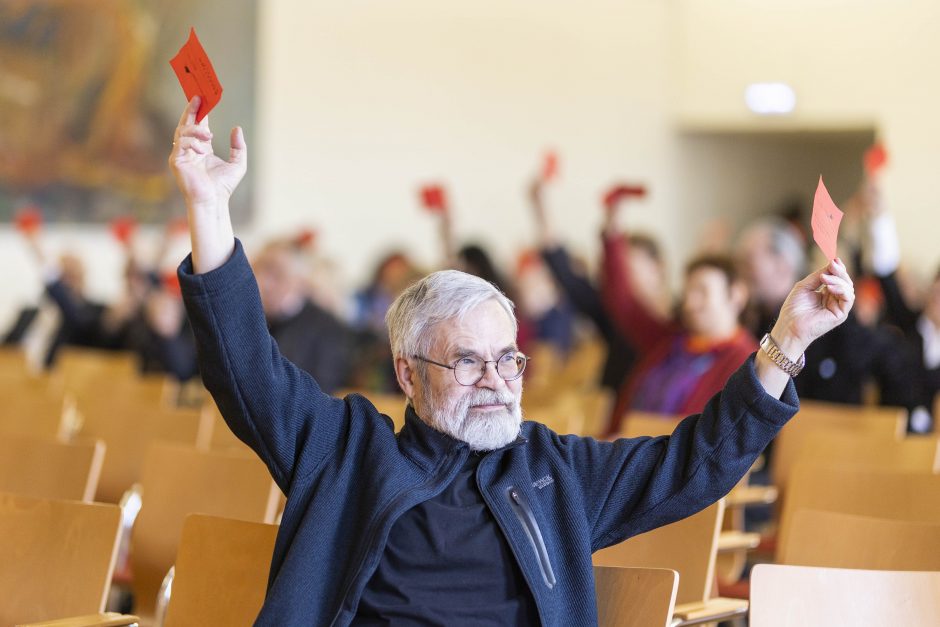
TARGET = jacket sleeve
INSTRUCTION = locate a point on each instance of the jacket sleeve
(270, 404)
(630, 317)
(637, 484)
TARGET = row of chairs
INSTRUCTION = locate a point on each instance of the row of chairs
(221, 567)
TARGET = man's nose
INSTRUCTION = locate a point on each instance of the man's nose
(490, 378)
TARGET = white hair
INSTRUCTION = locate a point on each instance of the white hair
(440, 296)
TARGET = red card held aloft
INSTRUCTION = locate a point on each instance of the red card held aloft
(825, 221)
(123, 228)
(549, 166)
(875, 159)
(28, 220)
(621, 192)
(196, 75)
(433, 198)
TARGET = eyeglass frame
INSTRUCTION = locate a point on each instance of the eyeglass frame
(525, 362)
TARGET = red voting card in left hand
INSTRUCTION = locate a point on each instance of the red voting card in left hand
(825, 221)
(196, 76)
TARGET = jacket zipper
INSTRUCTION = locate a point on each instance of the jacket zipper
(524, 513)
(374, 533)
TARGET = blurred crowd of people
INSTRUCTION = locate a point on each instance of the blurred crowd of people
(664, 354)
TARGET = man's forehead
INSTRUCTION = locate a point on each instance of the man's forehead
(484, 329)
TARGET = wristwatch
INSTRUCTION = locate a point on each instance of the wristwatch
(776, 355)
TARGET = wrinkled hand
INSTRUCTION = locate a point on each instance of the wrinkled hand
(815, 306)
(205, 179)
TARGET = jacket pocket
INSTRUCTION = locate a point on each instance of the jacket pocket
(527, 519)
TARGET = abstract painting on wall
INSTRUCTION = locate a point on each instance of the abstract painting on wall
(88, 102)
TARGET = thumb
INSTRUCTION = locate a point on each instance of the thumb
(238, 152)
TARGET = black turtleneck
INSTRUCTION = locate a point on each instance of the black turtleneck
(447, 563)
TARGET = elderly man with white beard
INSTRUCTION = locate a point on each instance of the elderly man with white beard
(468, 515)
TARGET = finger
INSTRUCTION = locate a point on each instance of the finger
(238, 151)
(191, 143)
(813, 281)
(838, 268)
(832, 281)
(195, 130)
(189, 113)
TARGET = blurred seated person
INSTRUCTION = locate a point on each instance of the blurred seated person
(552, 318)
(373, 369)
(66, 316)
(309, 336)
(647, 274)
(839, 368)
(920, 325)
(683, 362)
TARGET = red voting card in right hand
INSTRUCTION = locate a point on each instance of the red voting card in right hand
(196, 75)
(825, 221)
(621, 192)
(28, 220)
(433, 198)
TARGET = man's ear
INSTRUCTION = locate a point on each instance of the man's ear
(406, 376)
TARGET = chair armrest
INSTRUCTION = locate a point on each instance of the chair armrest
(752, 495)
(105, 619)
(729, 541)
(713, 610)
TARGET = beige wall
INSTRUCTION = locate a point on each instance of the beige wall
(851, 63)
(361, 100)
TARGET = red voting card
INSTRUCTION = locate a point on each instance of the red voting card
(621, 192)
(196, 76)
(549, 166)
(28, 220)
(825, 221)
(875, 159)
(123, 228)
(433, 198)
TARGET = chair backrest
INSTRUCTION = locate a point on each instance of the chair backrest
(563, 415)
(914, 454)
(58, 557)
(688, 546)
(834, 540)
(640, 423)
(392, 405)
(807, 596)
(48, 468)
(128, 429)
(221, 571)
(862, 491)
(178, 481)
(214, 434)
(890, 422)
(30, 410)
(635, 597)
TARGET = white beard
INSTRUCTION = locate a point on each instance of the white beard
(482, 431)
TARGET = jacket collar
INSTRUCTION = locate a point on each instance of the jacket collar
(428, 447)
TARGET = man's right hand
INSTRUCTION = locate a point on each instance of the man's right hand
(205, 179)
(207, 183)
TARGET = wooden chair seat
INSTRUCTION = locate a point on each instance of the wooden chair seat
(805, 596)
(635, 597)
(221, 571)
(48, 468)
(57, 557)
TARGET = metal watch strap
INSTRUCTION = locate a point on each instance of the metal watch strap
(769, 346)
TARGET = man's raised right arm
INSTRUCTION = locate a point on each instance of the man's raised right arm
(268, 402)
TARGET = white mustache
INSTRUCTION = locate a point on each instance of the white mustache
(489, 397)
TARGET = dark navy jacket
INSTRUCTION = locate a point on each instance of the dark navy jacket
(348, 476)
